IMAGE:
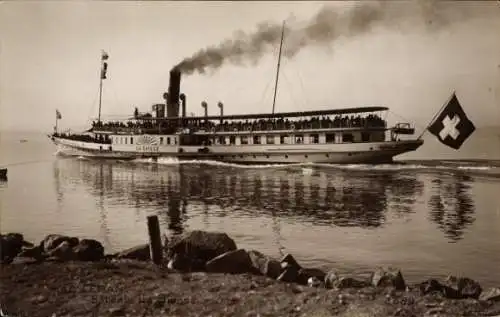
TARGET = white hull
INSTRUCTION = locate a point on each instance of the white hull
(341, 153)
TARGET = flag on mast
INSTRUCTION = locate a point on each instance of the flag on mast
(58, 115)
(452, 126)
(104, 55)
(104, 69)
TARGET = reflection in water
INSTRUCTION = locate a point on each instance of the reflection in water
(451, 206)
(324, 198)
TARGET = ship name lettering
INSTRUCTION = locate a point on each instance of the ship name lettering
(147, 148)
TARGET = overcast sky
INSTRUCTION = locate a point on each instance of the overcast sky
(50, 59)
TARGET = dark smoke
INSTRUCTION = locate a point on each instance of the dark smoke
(324, 28)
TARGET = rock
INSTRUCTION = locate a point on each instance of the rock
(330, 278)
(264, 264)
(492, 294)
(461, 287)
(232, 262)
(51, 241)
(11, 245)
(349, 282)
(62, 252)
(89, 250)
(430, 286)
(140, 252)
(200, 245)
(289, 260)
(183, 263)
(34, 252)
(384, 277)
(289, 275)
(306, 273)
(314, 282)
(335, 280)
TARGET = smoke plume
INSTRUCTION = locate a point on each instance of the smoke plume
(329, 24)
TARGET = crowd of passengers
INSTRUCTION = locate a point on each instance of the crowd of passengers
(84, 138)
(257, 125)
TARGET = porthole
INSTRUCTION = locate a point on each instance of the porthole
(305, 156)
(267, 156)
(327, 155)
(286, 156)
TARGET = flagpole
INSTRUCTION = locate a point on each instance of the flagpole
(436, 115)
(100, 89)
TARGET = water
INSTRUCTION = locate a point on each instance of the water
(428, 217)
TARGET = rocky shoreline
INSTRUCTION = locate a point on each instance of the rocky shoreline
(205, 274)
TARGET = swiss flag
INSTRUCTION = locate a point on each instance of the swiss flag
(452, 127)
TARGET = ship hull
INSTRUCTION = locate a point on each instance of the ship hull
(344, 153)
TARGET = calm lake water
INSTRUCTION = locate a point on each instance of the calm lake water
(428, 217)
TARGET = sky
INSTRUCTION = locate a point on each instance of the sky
(50, 59)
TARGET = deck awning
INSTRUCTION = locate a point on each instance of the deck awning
(356, 110)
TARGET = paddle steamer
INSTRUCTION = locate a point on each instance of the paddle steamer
(354, 135)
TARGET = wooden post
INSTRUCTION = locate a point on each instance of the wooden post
(155, 246)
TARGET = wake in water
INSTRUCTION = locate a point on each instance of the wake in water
(479, 167)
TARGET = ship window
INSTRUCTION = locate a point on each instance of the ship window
(284, 139)
(314, 138)
(365, 136)
(299, 139)
(244, 139)
(222, 140)
(347, 137)
(161, 140)
(168, 140)
(131, 140)
(256, 139)
(270, 139)
(232, 140)
(330, 138)
(125, 140)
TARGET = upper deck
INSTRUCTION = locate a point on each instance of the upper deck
(351, 118)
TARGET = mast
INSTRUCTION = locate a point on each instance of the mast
(104, 68)
(278, 68)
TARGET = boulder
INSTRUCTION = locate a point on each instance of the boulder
(11, 245)
(289, 275)
(183, 263)
(330, 278)
(200, 245)
(492, 294)
(51, 242)
(430, 286)
(140, 252)
(63, 252)
(350, 282)
(388, 277)
(461, 287)
(265, 265)
(32, 252)
(89, 250)
(305, 274)
(335, 280)
(288, 260)
(314, 282)
(232, 262)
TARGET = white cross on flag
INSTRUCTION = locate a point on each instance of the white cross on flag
(452, 127)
